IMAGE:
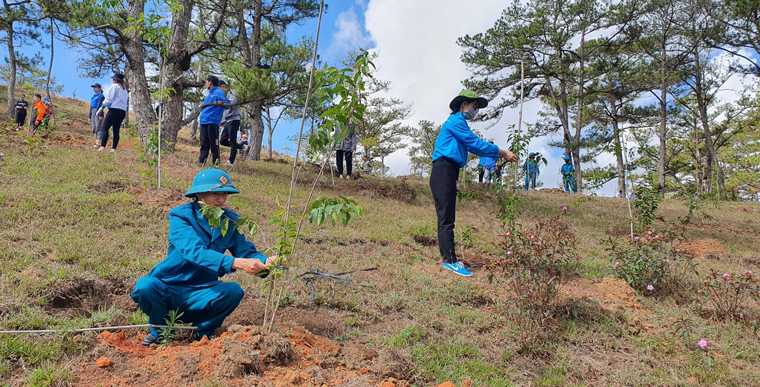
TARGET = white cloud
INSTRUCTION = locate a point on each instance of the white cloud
(350, 34)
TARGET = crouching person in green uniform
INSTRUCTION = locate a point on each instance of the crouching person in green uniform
(188, 279)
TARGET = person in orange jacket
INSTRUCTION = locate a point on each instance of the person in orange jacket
(41, 109)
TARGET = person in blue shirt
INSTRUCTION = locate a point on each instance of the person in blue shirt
(188, 279)
(209, 120)
(532, 171)
(454, 141)
(94, 117)
(489, 168)
(568, 170)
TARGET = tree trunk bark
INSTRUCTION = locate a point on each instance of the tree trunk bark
(257, 122)
(135, 72)
(50, 69)
(177, 62)
(579, 126)
(270, 131)
(12, 75)
(704, 120)
(194, 125)
(618, 148)
(663, 115)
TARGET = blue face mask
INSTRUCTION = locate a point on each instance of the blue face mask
(470, 114)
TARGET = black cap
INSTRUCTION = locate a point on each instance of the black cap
(118, 76)
(214, 80)
(222, 83)
(96, 85)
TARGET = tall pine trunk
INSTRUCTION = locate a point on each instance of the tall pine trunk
(177, 62)
(12, 75)
(579, 126)
(139, 94)
(618, 146)
(663, 114)
(257, 122)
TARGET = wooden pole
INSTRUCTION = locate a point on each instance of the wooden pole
(519, 119)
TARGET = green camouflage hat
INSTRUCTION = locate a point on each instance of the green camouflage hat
(467, 95)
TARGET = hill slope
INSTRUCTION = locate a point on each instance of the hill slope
(79, 227)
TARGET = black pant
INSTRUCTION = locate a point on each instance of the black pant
(209, 140)
(443, 183)
(481, 171)
(114, 118)
(339, 155)
(20, 118)
(229, 138)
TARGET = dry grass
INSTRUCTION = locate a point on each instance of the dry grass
(69, 214)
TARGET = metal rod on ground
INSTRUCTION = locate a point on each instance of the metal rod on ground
(80, 330)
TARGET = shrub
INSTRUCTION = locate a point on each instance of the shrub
(650, 263)
(535, 262)
(646, 204)
(730, 294)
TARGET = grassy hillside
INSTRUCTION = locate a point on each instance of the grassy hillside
(79, 227)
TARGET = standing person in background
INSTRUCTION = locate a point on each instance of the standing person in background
(243, 144)
(22, 107)
(454, 141)
(231, 119)
(366, 165)
(568, 170)
(346, 150)
(97, 120)
(210, 118)
(489, 168)
(532, 171)
(117, 102)
(481, 170)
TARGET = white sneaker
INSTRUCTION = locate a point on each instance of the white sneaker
(228, 164)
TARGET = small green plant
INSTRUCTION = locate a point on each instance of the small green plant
(730, 295)
(336, 209)
(467, 194)
(650, 263)
(167, 335)
(646, 204)
(535, 261)
(683, 327)
(33, 143)
(149, 154)
(579, 202)
(508, 212)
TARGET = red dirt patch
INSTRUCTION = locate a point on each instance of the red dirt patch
(613, 294)
(70, 139)
(705, 248)
(243, 356)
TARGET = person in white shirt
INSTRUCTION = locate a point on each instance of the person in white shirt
(117, 102)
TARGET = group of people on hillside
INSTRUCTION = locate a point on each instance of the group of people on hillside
(490, 170)
(41, 111)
